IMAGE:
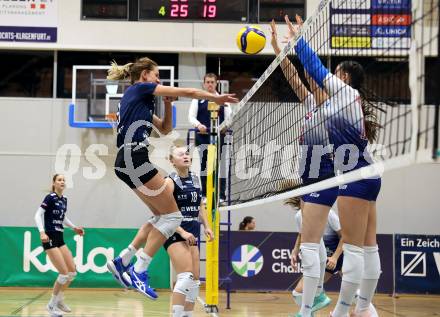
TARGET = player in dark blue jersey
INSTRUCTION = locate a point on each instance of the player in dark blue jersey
(314, 143)
(136, 120)
(51, 218)
(351, 123)
(182, 245)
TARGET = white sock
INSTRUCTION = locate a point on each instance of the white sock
(352, 274)
(322, 263)
(188, 313)
(142, 263)
(127, 254)
(311, 273)
(54, 299)
(370, 278)
(297, 297)
(177, 310)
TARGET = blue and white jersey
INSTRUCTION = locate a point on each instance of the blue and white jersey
(188, 196)
(316, 152)
(346, 126)
(345, 118)
(55, 210)
(136, 110)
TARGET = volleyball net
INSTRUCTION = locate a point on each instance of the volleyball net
(397, 44)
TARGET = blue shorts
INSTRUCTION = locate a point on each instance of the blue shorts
(367, 189)
(326, 197)
(331, 245)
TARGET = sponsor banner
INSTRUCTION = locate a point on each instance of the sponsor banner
(351, 19)
(28, 20)
(351, 4)
(387, 42)
(28, 265)
(351, 30)
(391, 19)
(404, 5)
(351, 42)
(417, 264)
(261, 261)
(27, 34)
(391, 31)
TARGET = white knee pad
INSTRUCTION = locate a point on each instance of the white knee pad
(322, 252)
(62, 279)
(193, 292)
(72, 276)
(353, 266)
(167, 224)
(371, 263)
(185, 281)
(310, 259)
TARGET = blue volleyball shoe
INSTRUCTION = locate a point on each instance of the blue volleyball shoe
(140, 282)
(117, 268)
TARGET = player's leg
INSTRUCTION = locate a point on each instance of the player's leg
(181, 258)
(313, 224)
(353, 214)
(56, 258)
(372, 269)
(297, 292)
(169, 218)
(68, 259)
(194, 291)
(321, 299)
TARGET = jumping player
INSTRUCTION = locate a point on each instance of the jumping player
(136, 119)
(317, 204)
(51, 218)
(352, 123)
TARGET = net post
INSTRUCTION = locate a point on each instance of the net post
(212, 247)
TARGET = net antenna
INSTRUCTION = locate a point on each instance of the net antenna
(387, 39)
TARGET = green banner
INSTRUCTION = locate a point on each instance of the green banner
(24, 262)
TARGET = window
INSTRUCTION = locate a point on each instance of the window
(26, 74)
(277, 9)
(105, 9)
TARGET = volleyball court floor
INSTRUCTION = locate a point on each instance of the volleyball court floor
(117, 302)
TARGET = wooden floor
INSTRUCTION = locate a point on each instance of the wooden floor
(120, 303)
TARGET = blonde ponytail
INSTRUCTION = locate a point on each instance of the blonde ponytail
(117, 72)
(131, 70)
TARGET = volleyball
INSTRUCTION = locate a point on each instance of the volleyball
(251, 40)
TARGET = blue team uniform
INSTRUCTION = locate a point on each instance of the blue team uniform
(345, 123)
(55, 211)
(188, 196)
(316, 167)
(135, 122)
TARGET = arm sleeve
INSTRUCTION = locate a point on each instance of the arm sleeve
(228, 111)
(298, 220)
(39, 219)
(68, 223)
(333, 221)
(311, 62)
(192, 114)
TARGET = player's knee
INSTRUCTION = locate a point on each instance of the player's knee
(353, 266)
(71, 275)
(185, 281)
(62, 279)
(193, 292)
(310, 259)
(168, 223)
(372, 263)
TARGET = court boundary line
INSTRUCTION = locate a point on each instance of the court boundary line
(15, 312)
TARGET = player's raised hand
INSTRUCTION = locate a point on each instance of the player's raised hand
(222, 99)
(274, 38)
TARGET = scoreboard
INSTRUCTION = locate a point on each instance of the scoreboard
(370, 24)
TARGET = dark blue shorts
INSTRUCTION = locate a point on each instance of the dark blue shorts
(331, 246)
(367, 189)
(326, 197)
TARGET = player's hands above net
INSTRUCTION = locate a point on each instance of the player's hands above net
(222, 99)
(292, 29)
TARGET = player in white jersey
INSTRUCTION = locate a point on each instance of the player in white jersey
(315, 167)
(351, 126)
